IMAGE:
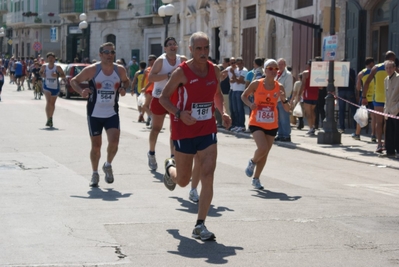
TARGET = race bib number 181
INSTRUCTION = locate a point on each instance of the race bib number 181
(201, 111)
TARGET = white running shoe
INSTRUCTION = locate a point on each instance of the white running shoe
(152, 162)
(256, 183)
(249, 171)
(95, 178)
(200, 232)
(109, 176)
(193, 195)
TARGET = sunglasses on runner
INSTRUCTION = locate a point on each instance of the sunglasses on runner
(107, 52)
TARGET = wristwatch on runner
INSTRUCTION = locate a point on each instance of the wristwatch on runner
(177, 114)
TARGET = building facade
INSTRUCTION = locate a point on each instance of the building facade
(248, 29)
(28, 27)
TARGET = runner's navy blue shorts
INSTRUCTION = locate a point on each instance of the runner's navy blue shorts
(192, 145)
(96, 125)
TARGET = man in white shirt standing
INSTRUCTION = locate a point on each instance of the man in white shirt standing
(285, 78)
(237, 82)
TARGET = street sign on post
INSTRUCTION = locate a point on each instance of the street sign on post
(53, 34)
(320, 70)
(37, 46)
(329, 49)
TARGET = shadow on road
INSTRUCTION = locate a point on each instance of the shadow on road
(49, 129)
(108, 194)
(191, 207)
(213, 252)
(266, 194)
(158, 176)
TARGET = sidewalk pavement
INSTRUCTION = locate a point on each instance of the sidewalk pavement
(362, 151)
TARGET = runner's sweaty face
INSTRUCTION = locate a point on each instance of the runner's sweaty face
(200, 49)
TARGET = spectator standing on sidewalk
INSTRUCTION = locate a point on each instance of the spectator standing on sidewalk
(347, 93)
(309, 95)
(295, 99)
(391, 84)
(193, 125)
(107, 81)
(285, 78)
(229, 72)
(378, 75)
(361, 79)
(263, 122)
(238, 86)
(225, 84)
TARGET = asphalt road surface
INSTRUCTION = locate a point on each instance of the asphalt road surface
(315, 210)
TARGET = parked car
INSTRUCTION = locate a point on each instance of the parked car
(71, 71)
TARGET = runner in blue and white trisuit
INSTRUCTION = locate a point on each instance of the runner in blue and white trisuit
(106, 81)
(50, 73)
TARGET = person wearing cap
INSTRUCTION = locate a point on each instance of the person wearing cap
(263, 121)
(159, 75)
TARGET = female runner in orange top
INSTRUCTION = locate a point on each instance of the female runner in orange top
(263, 121)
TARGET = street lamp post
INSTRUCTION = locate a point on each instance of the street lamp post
(166, 12)
(83, 26)
(330, 134)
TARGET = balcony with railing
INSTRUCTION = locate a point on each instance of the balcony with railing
(147, 9)
(15, 19)
(104, 8)
(70, 9)
(43, 19)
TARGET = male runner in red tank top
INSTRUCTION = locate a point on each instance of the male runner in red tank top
(196, 90)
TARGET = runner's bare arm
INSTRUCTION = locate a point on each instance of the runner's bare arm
(247, 92)
(85, 75)
(124, 79)
(156, 68)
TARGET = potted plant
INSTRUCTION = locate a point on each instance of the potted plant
(38, 20)
(50, 14)
(33, 13)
